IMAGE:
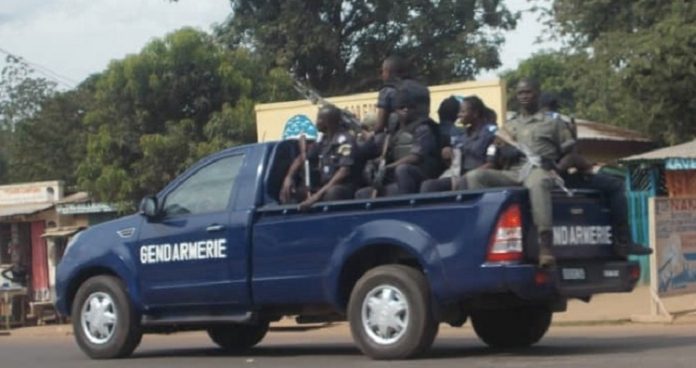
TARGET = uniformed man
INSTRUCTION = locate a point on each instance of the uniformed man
(412, 150)
(539, 135)
(394, 70)
(471, 145)
(334, 157)
(582, 176)
(448, 113)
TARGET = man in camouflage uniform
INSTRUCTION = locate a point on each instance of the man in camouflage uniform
(540, 135)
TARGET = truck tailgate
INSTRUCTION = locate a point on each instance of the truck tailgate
(582, 226)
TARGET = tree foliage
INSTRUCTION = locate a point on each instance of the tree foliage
(50, 145)
(631, 63)
(338, 45)
(21, 92)
(157, 112)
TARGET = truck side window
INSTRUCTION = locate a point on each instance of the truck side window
(207, 190)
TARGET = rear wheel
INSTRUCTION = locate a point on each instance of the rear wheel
(390, 313)
(104, 322)
(511, 328)
(238, 337)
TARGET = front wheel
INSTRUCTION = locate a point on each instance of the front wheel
(104, 322)
(511, 328)
(390, 313)
(238, 337)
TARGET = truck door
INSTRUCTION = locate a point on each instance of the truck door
(195, 253)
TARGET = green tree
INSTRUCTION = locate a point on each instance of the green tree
(157, 112)
(21, 92)
(50, 145)
(21, 96)
(338, 45)
(640, 64)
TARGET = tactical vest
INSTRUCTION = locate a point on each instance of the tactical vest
(402, 141)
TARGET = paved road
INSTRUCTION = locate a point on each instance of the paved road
(615, 346)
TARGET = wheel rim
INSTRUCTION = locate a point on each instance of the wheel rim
(98, 318)
(385, 314)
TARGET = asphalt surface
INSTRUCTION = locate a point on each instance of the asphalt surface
(615, 346)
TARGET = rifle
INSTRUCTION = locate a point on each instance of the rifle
(348, 119)
(533, 160)
(382, 162)
(303, 154)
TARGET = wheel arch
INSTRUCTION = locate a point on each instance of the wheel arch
(379, 243)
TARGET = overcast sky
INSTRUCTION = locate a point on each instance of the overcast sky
(75, 38)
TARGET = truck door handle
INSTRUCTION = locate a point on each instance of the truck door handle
(213, 228)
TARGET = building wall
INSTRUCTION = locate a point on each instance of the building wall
(681, 183)
(271, 118)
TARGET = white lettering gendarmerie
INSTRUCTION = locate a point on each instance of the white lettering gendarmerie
(582, 235)
(184, 251)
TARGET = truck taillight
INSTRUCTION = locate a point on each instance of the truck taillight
(506, 242)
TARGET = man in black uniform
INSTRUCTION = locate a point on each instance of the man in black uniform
(412, 154)
(469, 147)
(394, 70)
(334, 157)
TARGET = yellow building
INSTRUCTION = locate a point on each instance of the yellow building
(271, 118)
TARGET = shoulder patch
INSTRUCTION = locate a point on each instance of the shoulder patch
(341, 139)
(345, 149)
(492, 128)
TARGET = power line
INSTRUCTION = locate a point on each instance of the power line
(46, 72)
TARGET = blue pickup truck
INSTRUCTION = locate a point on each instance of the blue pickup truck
(215, 251)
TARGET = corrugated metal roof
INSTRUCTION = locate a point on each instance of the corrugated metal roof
(78, 197)
(61, 231)
(590, 130)
(680, 151)
(23, 209)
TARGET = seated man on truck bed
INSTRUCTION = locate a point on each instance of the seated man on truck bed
(409, 152)
(335, 157)
(471, 144)
(542, 136)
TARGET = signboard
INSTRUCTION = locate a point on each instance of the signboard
(84, 208)
(44, 192)
(673, 232)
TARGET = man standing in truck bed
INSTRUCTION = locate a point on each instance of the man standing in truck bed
(543, 136)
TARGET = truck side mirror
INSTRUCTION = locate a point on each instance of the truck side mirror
(148, 207)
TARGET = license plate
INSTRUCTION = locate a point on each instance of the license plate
(573, 273)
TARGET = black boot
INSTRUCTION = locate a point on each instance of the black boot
(546, 258)
(624, 247)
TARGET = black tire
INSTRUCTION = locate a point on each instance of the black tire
(123, 334)
(420, 327)
(240, 337)
(511, 328)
